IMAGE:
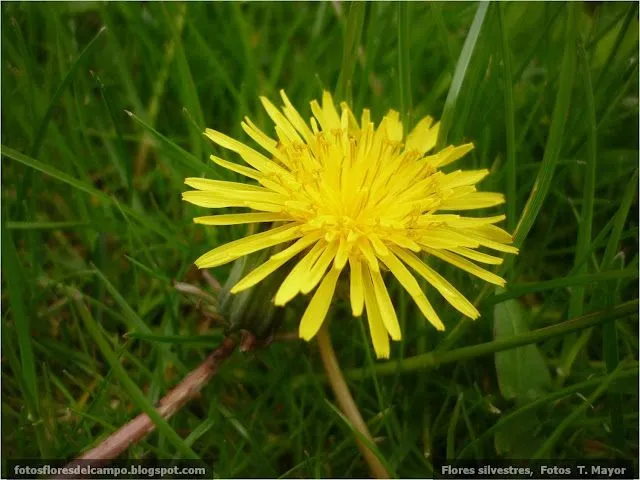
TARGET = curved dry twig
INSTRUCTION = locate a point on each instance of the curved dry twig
(132, 432)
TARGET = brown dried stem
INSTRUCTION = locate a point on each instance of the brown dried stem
(134, 431)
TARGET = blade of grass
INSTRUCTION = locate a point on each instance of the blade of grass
(355, 21)
(123, 166)
(362, 438)
(210, 340)
(509, 123)
(18, 293)
(433, 360)
(46, 225)
(366, 87)
(451, 429)
(188, 91)
(576, 302)
(619, 221)
(556, 137)
(609, 332)
(177, 153)
(154, 273)
(28, 67)
(631, 14)
(463, 323)
(134, 322)
(545, 450)
(137, 396)
(527, 409)
(157, 93)
(91, 190)
(44, 123)
(460, 73)
(404, 66)
(574, 281)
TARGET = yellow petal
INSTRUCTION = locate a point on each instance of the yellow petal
(271, 265)
(262, 195)
(356, 287)
(220, 185)
(244, 246)
(408, 281)
(240, 218)
(448, 291)
(249, 155)
(352, 121)
(378, 246)
(387, 312)
(331, 117)
(317, 310)
(452, 155)
(295, 118)
(318, 269)
(443, 237)
(251, 173)
(423, 137)
(280, 121)
(494, 233)
(473, 201)
(342, 254)
(494, 245)
(460, 222)
(262, 139)
(461, 178)
(368, 254)
(404, 242)
(217, 200)
(467, 266)
(379, 335)
(393, 126)
(207, 200)
(241, 169)
(291, 285)
(478, 256)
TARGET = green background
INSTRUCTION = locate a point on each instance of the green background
(548, 92)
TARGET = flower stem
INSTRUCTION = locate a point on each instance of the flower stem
(345, 400)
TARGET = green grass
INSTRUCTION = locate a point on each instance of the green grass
(103, 111)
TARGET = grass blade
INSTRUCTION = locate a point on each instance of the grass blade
(609, 332)
(355, 22)
(17, 288)
(84, 187)
(509, 122)
(589, 189)
(618, 222)
(545, 449)
(120, 158)
(137, 397)
(181, 155)
(531, 407)
(404, 66)
(44, 123)
(556, 136)
(451, 429)
(576, 301)
(460, 73)
(573, 281)
(434, 359)
(135, 323)
(368, 443)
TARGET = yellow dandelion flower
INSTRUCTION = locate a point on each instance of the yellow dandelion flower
(340, 192)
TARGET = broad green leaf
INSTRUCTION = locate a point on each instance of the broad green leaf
(522, 372)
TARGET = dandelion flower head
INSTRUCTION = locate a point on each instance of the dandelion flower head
(347, 197)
